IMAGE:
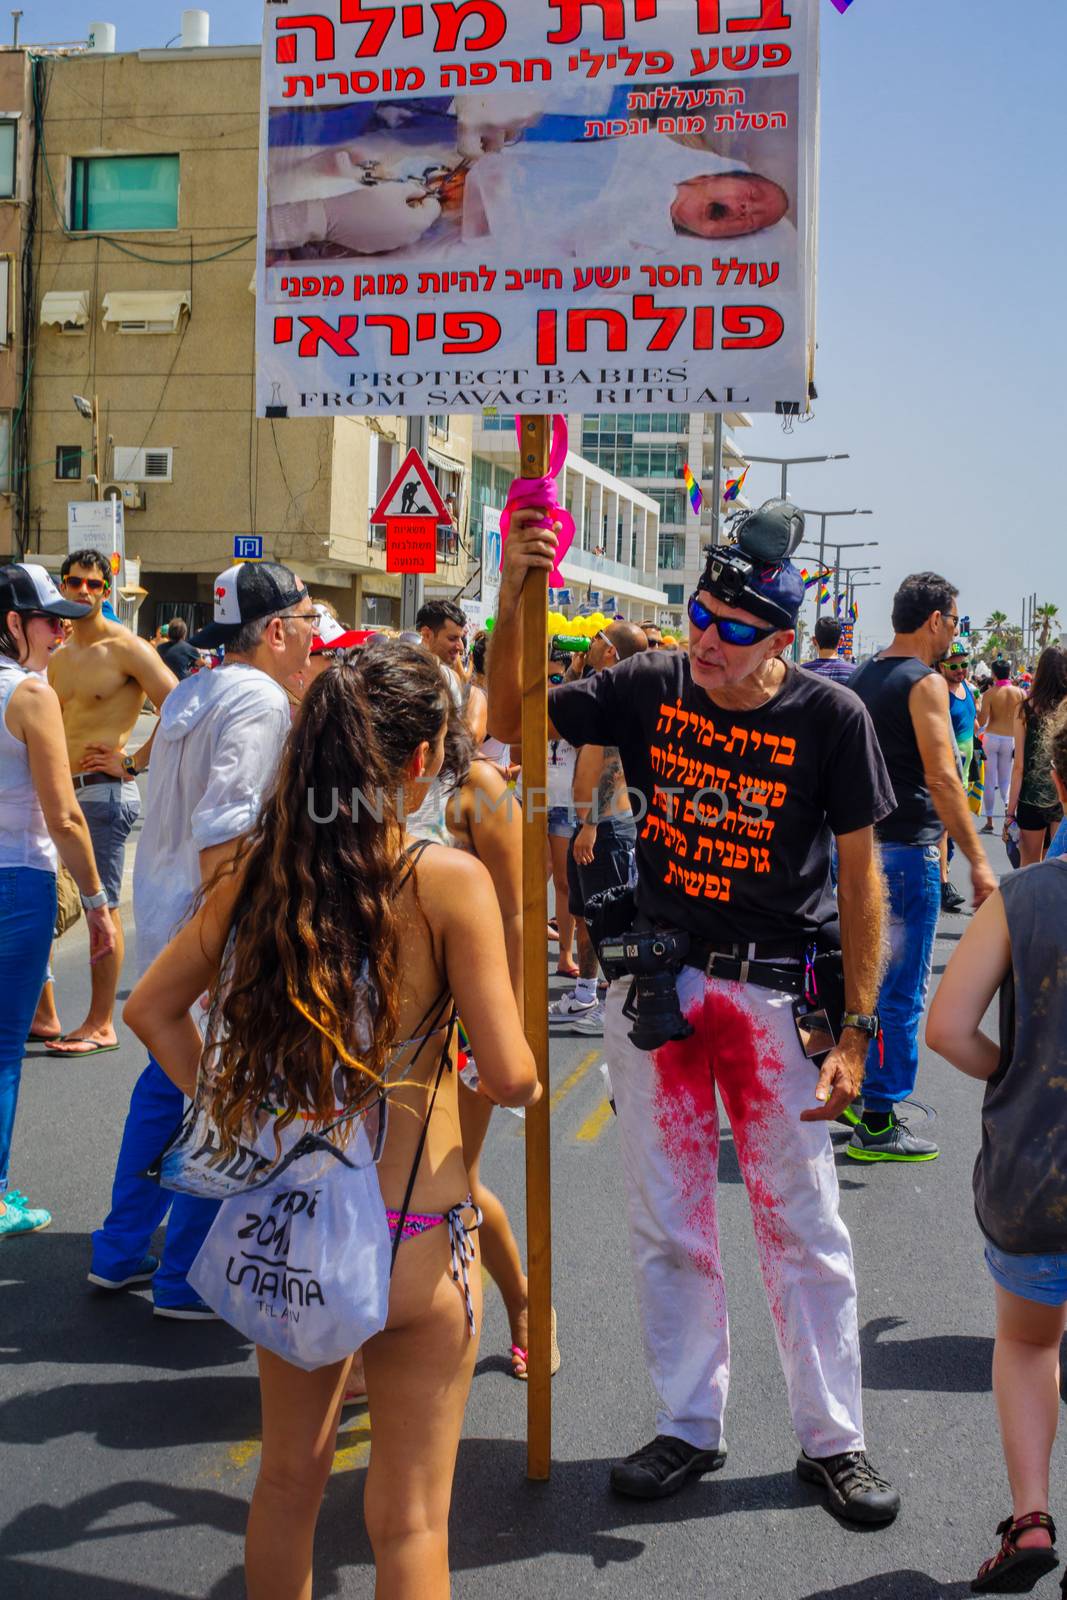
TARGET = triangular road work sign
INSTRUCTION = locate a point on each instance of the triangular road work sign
(412, 493)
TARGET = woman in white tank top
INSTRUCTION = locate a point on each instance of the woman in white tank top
(40, 821)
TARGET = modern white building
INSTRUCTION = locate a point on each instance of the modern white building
(651, 452)
(616, 549)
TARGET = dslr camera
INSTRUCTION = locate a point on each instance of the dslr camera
(629, 945)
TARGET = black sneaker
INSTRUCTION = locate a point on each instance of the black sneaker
(851, 1115)
(895, 1143)
(951, 900)
(192, 1311)
(661, 1467)
(852, 1487)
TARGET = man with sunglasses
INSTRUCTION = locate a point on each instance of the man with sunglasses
(909, 702)
(742, 770)
(103, 675)
(220, 738)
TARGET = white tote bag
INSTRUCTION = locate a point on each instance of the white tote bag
(302, 1267)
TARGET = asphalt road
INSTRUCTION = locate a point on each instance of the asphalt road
(128, 1447)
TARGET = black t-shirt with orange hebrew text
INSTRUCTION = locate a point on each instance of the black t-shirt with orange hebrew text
(735, 809)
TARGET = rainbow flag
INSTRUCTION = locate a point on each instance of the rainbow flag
(810, 579)
(824, 592)
(734, 487)
(696, 499)
(842, 5)
(854, 611)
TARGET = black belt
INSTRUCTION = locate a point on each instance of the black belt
(752, 963)
(85, 780)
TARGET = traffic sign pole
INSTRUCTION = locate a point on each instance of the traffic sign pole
(413, 586)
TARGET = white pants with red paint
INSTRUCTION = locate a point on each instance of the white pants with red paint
(744, 1045)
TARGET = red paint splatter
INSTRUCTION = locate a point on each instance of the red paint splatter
(734, 1051)
(687, 1118)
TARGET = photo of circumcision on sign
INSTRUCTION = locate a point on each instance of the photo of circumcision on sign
(548, 206)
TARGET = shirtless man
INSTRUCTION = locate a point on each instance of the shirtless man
(996, 724)
(102, 676)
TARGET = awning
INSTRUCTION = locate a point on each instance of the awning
(147, 310)
(65, 309)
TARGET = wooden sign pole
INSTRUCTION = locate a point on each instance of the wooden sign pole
(534, 460)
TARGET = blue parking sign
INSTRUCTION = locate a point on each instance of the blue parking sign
(248, 547)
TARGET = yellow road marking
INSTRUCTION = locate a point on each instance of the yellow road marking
(575, 1078)
(594, 1126)
(353, 1449)
(569, 1083)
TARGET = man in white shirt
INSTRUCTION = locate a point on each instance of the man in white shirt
(220, 738)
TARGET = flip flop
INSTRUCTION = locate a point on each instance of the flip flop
(43, 1038)
(93, 1049)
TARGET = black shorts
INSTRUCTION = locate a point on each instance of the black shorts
(612, 865)
(1036, 819)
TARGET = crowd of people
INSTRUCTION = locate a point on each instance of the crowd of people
(749, 864)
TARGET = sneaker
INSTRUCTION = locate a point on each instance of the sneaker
(988, 827)
(853, 1489)
(896, 1143)
(568, 1010)
(951, 900)
(661, 1467)
(19, 1218)
(142, 1274)
(192, 1311)
(591, 1021)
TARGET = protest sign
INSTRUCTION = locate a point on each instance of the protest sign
(548, 207)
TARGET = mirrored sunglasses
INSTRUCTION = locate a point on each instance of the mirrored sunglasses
(729, 631)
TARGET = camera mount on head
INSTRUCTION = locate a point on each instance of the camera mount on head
(741, 574)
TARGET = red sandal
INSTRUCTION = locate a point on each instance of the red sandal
(1013, 1570)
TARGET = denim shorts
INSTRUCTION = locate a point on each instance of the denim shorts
(110, 818)
(560, 822)
(1039, 1278)
(612, 866)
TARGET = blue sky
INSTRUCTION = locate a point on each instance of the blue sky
(942, 361)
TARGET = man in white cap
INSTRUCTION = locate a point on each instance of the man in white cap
(220, 738)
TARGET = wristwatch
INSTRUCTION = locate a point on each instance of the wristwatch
(129, 766)
(94, 902)
(871, 1026)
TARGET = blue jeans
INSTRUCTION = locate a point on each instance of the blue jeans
(27, 919)
(913, 878)
(138, 1205)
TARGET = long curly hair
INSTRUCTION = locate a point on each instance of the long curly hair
(305, 1010)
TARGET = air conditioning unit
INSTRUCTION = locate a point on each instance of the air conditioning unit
(131, 495)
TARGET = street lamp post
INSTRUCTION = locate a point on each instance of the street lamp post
(856, 544)
(90, 410)
(785, 462)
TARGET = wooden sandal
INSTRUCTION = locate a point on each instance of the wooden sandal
(1013, 1570)
(521, 1357)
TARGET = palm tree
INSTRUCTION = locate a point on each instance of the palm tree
(995, 624)
(1011, 638)
(1047, 615)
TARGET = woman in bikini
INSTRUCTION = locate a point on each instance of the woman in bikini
(343, 941)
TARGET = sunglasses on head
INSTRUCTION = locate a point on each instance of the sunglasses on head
(729, 631)
(94, 585)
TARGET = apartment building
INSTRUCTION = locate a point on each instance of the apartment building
(15, 183)
(143, 305)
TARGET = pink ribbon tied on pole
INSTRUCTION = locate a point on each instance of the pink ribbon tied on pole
(541, 493)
